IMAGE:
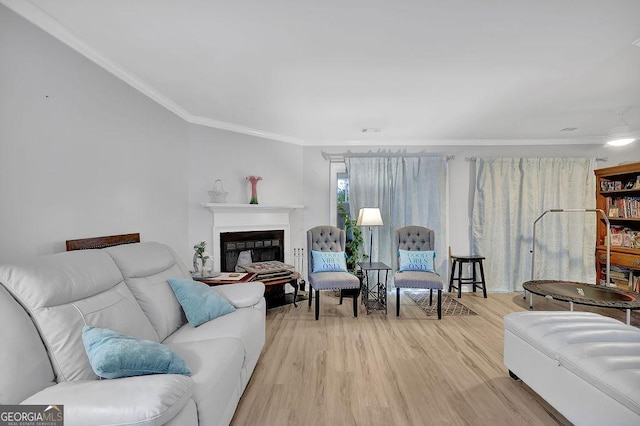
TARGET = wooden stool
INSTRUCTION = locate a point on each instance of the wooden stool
(473, 260)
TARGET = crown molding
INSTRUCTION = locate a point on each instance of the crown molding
(587, 140)
(45, 22)
(208, 122)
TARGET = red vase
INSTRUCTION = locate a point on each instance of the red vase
(254, 188)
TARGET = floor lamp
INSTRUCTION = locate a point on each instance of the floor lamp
(369, 216)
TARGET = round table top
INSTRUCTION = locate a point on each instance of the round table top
(585, 294)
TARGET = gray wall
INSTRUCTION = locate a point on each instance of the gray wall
(81, 153)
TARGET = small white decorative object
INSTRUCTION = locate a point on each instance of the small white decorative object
(218, 194)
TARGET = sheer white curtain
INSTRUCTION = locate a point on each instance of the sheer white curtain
(408, 191)
(510, 194)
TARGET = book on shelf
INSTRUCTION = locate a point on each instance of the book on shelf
(620, 276)
(622, 236)
(623, 207)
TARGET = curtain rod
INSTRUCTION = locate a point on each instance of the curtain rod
(475, 158)
(339, 157)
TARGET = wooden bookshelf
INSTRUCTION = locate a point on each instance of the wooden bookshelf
(618, 195)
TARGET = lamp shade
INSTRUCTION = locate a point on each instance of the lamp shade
(369, 216)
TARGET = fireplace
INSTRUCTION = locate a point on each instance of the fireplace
(232, 218)
(263, 246)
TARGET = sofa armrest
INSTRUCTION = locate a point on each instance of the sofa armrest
(242, 295)
(153, 399)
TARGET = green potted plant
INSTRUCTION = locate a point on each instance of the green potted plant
(354, 237)
(201, 254)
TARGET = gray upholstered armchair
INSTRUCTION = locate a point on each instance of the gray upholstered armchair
(329, 239)
(415, 238)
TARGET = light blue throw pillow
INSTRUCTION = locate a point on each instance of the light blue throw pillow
(417, 260)
(113, 355)
(329, 261)
(200, 302)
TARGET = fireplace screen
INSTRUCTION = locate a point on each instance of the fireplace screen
(254, 246)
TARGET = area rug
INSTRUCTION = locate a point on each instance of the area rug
(450, 305)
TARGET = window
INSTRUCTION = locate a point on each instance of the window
(342, 199)
(339, 193)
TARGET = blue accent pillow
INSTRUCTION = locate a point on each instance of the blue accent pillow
(329, 261)
(113, 355)
(417, 260)
(200, 302)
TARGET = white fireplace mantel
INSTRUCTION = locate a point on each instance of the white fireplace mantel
(250, 217)
(224, 207)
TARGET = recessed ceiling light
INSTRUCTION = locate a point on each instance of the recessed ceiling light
(636, 42)
(568, 129)
(622, 134)
(371, 130)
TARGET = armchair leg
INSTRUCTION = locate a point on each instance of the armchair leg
(355, 304)
(430, 296)
(341, 295)
(439, 304)
(317, 304)
(397, 301)
(310, 295)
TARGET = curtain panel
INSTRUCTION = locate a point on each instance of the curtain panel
(510, 194)
(408, 191)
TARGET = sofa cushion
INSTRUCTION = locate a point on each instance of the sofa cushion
(216, 367)
(113, 355)
(200, 302)
(243, 296)
(140, 401)
(247, 325)
(333, 280)
(24, 365)
(146, 268)
(417, 279)
(65, 291)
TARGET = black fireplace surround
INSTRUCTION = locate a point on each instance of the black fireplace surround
(264, 246)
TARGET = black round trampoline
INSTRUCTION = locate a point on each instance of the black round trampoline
(583, 294)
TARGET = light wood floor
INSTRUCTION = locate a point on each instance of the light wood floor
(384, 370)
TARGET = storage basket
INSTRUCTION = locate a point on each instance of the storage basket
(218, 194)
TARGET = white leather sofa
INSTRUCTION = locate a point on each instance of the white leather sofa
(45, 303)
(585, 365)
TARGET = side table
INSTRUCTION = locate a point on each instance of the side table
(270, 285)
(374, 296)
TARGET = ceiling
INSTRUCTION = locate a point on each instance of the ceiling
(317, 72)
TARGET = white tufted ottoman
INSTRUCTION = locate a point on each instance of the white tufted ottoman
(585, 365)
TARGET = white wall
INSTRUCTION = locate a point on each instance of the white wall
(461, 172)
(231, 157)
(82, 154)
